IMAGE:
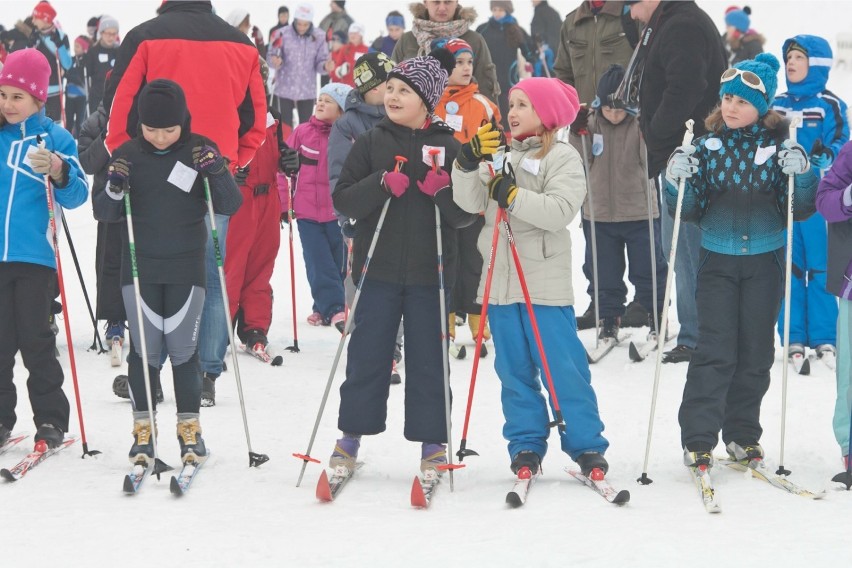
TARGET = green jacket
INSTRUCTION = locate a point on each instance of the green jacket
(589, 44)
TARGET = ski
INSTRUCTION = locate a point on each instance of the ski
(829, 359)
(600, 485)
(457, 351)
(396, 378)
(423, 489)
(38, 455)
(115, 352)
(759, 471)
(518, 495)
(180, 483)
(800, 363)
(268, 354)
(12, 442)
(133, 480)
(704, 484)
(605, 345)
(329, 487)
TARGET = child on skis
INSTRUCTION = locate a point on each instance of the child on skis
(28, 267)
(735, 190)
(618, 184)
(322, 243)
(163, 170)
(813, 310)
(404, 275)
(542, 197)
(465, 109)
(834, 202)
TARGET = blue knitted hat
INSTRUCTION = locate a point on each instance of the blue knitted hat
(739, 19)
(765, 66)
(338, 92)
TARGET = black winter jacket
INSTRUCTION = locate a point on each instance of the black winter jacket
(681, 75)
(93, 153)
(547, 23)
(406, 252)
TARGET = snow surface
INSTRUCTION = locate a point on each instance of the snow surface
(71, 512)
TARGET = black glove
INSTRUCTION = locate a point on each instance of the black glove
(347, 229)
(289, 162)
(580, 126)
(118, 177)
(241, 174)
(485, 142)
(207, 160)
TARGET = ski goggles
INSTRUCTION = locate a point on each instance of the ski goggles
(747, 77)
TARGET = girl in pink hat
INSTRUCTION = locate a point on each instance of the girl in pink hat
(542, 195)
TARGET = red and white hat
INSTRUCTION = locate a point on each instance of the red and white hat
(28, 70)
(44, 11)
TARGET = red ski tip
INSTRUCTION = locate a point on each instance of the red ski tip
(446, 466)
(303, 457)
(323, 488)
(597, 474)
(41, 446)
(418, 499)
(524, 473)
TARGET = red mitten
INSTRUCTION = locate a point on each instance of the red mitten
(395, 183)
(434, 182)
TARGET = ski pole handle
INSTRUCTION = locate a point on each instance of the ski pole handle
(400, 160)
(689, 134)
(433, 154)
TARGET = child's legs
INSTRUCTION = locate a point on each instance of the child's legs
(761, 288)
(714, 361)
(639, 263)
(322, 268)
(569, 368)
(822, 305)
(110, 305)
(798, 291)
(256, 294)
(524, 406)
(425, 416)
(612, 292)
(364, 393)
(8, 344)
(843, 403)
(182, 305)
(240, 239)
(470, 268)
(213, 333)
(32, 295)
(153, 298)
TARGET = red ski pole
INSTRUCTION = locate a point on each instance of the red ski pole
(291, 216)
(52, 222)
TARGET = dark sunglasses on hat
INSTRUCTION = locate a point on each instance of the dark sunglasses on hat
(748, 78)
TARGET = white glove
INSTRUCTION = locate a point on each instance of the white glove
(792, 158)
(682, 164)
(342, 71)
(43, 161)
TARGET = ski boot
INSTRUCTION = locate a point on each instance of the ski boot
(457, 351)
(114, 330)
(653, 330)
(635, 315)
(395, 378)
(744, 453)
(50, 435)
(192, 449)
(528, 459)
(679, 354)
(827, 354)
(315, 319)
(591, 461)
(610, 328)
(51, 319)
(699, 456)
(473, 323)
(345, 452)
(432, 456)
(142, 450)
(121, 388)
(587, 320)
(338, 320)
(208, 390)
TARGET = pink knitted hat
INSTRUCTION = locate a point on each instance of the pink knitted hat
(555, 103)
(29, 70)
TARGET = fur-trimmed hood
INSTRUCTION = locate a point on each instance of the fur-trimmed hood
(419, 11)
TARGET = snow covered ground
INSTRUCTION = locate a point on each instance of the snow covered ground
(72, 512)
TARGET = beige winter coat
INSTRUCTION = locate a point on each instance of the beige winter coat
(618, 178)
(550, 193)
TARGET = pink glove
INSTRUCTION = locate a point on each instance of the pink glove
(434, 182)
(395, 183)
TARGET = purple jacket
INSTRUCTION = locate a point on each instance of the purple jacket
(304, 58)
(312, 198)
(834, 202)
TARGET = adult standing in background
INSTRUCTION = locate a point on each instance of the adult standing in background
(546, 23)
(395, 23)
(337, 21)
(224, 91)
(675, 72)
(298, 54)
(100, 59)
(445, 19)
(283, 21)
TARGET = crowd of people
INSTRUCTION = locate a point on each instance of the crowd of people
(404, 156)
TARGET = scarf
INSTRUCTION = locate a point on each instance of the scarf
(507, 19)
(426, 30)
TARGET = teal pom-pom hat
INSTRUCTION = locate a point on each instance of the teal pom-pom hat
(754, 80)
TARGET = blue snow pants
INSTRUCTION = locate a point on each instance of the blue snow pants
(518, 364)
(325, 264)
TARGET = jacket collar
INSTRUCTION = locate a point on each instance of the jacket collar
(609, 8)
(37, 123)
(527, 144)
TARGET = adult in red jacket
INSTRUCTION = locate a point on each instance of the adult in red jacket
(219, 70)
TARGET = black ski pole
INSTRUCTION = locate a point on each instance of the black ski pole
(100, 345)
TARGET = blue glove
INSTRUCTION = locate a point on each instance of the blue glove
(822, 159)
(682, 164)
(792, 158)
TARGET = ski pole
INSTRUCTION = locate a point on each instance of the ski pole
(159, 465)
(442, 301)
(652, 245)
(96, 343)
(593, 239)
(255, 459)
(483, 312)
(661, 337)
(290, 217)
(795, 121)
(61, 94)
(306, 457)
(51, 216)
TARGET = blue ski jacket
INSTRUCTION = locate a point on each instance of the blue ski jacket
(24, 224)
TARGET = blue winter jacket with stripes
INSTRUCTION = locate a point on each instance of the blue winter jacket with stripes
(24, 228)
(738, 196)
